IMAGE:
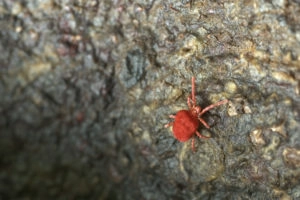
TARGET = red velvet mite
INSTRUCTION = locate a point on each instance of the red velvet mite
(186, 122)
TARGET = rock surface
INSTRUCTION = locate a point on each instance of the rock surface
(87, 86)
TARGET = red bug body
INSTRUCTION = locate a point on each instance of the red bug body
(186, 122)
(185, 125)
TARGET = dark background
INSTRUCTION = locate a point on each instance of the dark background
(87, 86)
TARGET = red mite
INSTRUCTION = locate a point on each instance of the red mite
(186, 122)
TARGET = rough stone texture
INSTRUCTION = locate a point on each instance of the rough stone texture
(87, 86)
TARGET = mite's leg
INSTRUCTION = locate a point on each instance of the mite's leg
(201, 136)
(203, 122)
(212, 106)
(171, 123)
(193, 144)
(193, 90)
(189, 103)
(168, 124)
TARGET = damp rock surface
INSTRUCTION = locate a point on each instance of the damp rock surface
(86, 88)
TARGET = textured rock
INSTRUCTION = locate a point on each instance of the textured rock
(87, 86)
